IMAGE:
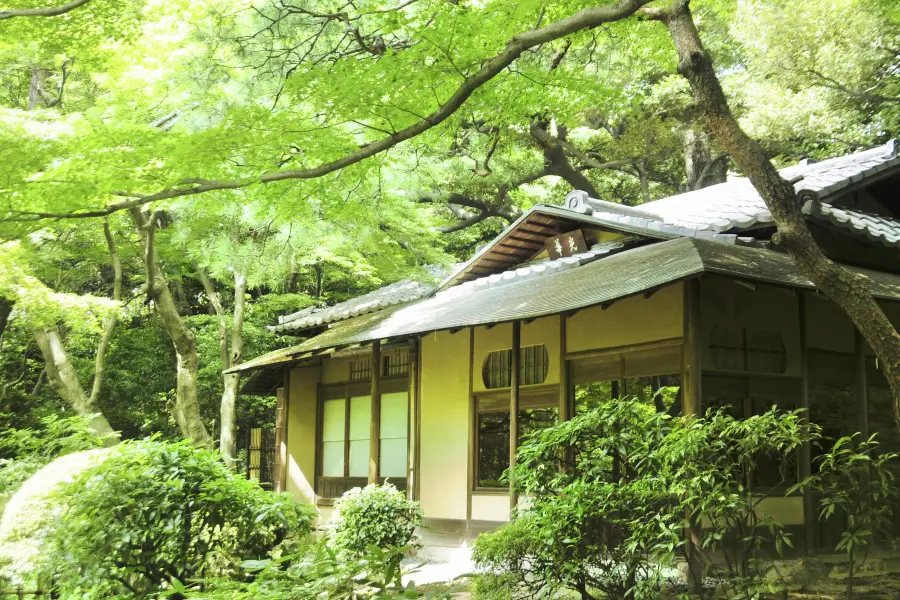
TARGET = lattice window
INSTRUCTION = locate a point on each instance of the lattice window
(741, 349)
(534, 362)
(361, 369)
(395, 364)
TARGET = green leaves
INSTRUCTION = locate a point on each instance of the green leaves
(156, 515)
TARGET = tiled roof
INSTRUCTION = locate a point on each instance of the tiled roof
(735, 205)
(624, 274)
(719, 213)
(389, 295)
(873, 227)
(537, 269)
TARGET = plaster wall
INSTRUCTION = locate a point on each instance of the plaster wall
(539, 332)
(444, 424)
(490, 507)
(630, 321)
(301, 432)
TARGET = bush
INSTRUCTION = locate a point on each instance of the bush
(155, 515)
(594, 523)
(610, 490)
(376, 516)
(315, 573)
(24, 451)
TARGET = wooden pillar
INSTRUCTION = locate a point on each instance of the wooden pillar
(417, 494)
(691, 373)
(566, 400)
(283, 395)
(805, 467)
(693, 350)
(375, 429)
(515, 359)
(862, 393)
(412, 412)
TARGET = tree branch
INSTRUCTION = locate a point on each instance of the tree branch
(849, 291)
(833, 84)
(518, 44)
(53, 11)
(110, 326)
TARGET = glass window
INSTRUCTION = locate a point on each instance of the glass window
(346, 433)
(742, 349)
(537, 412)
(651, 375)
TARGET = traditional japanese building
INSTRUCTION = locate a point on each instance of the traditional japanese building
(571, 305)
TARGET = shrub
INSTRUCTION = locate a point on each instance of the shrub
(610, 490)
(376, 516)
(855, 479)
(317, 572)
(158, 514)
(24, 451)
(593, 521)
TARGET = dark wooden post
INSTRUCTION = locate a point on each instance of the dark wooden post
(692, 370)
(809, 515)
(566, 408)
(375, 429)
(515, 359)
(691, 376)
(280, 475)
(862, 393)
(412, 416)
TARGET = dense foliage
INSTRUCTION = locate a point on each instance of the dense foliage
(622, 493)
(24, 451)
(376, 516)
(158, 514)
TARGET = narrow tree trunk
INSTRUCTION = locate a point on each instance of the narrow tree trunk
(216, 308)
(849, 291)
(233, 380)
(110, 326)
(64, 380)
(5, 310)
(701, 166)
(36, 87)
(187, 408)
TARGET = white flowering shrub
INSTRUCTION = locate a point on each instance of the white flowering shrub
(376, 515)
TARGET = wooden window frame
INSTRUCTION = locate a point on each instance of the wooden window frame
(346, 391)
(534, 366)
(503, 393)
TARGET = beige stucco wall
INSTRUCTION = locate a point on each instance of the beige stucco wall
(335, 370)
(490, 507)
(630, 321)
(301, 432)
(541, 331)
(785, 510)
(445, 424)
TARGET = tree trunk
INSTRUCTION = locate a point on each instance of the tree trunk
(36, 87)
(110, 326)
(233, 380)
(216, 308)
(701, 166)
(64, 380)
(556, 160)
(5, 310)
(849, 291)
(187, 408)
